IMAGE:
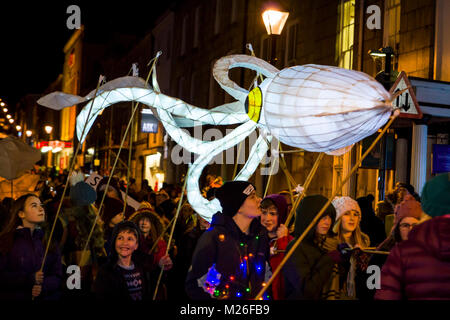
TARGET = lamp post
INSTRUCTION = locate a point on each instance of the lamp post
(384, 77)
(28, 134)
(48, 129)
(274, 22)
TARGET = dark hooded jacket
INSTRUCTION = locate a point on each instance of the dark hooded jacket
(278, 244)
(19, 265)
(419, 268)
(239, 258)
(110, 283)
(309, 268)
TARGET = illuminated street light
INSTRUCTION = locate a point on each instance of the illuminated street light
(2, 104)
(11, 121)
(18, 128)
(5, 109)
(48, 129)
(8, 116)
(274, 21)
(28, 133)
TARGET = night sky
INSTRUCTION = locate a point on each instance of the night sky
(33, 35)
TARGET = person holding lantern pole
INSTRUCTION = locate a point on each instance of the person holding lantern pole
(274, 213)
(21, 253)
(308, 271)
(230, 259)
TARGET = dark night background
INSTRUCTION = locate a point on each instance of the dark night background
(33, 34)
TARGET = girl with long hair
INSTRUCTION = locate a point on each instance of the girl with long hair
(22, 250)
(348, 234)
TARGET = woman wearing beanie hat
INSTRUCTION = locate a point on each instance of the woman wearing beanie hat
(346, 232)
(274, 213)
(418, 268)
(309, 269)
(407, 215)
(230, 259)
(129, 274)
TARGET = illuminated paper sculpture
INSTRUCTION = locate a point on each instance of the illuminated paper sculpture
(316, 108)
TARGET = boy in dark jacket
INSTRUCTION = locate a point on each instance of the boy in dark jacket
(129, 274)
(230, 259)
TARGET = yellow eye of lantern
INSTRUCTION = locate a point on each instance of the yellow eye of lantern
(253, 104)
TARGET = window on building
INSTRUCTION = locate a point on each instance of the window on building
(291, 43)
(181, 88)
(391, 31)
(193, 84)
(345, 37)
(234, 10)
(212, 87)
(198, 13)
(184, 32)
(219, 14)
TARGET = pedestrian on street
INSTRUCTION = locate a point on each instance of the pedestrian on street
(419, 268)
(274, 213)
(22, 248)
(230, 259)
(308, 271)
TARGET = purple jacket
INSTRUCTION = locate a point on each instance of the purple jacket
(19, 265)
(419, 268)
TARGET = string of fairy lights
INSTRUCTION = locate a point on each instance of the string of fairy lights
(7, 121)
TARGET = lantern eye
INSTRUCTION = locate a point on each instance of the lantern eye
(253, 104)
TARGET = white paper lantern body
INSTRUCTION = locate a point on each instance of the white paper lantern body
(323, 108)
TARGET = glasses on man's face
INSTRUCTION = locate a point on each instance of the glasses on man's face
(407, 225)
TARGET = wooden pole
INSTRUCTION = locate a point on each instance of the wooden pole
(305, 187)
(319, 214)
(171, 232)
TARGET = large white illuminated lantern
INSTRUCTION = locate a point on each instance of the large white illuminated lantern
(313, 107)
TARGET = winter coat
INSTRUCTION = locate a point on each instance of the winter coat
(274, 261)
(309, 269)
(419, 268)
(239, 258)
(186, 248)
(19, 265)
(110, 283)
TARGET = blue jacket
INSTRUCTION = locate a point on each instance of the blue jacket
(19, 265)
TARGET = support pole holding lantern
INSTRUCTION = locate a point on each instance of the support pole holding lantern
(319, 214)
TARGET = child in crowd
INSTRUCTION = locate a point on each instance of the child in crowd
(21, 253)
(129, 274)
(274, 213)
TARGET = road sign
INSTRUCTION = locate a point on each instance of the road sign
(407, 100)
(93, 180)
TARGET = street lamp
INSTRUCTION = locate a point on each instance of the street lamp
(18, 128)
(274, 22)
(28, 133)
(48, 129)
(11, 121)
(2, 104)
(384, 77)
(8, 116)
(5, 110)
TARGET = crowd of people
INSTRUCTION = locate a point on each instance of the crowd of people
(131, 256)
